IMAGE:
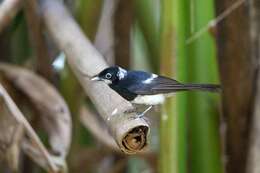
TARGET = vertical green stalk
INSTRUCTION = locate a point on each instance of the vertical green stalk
(168, 138)
(182, 31)
(169, 124)
(203, 115)
(174, 60)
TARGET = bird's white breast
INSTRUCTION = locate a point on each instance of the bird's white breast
(149, 99)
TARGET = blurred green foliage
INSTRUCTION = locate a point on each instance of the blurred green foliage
(203, 112)
(20, 49)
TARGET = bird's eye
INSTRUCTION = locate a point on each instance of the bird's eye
(108, 75)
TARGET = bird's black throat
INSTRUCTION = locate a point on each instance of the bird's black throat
(125, 93)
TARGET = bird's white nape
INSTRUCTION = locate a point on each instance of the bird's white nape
(121, 73)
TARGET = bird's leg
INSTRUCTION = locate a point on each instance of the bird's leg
(144, 112)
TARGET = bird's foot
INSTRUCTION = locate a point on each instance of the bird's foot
(141, 115)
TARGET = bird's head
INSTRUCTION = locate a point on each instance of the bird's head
(110, 75)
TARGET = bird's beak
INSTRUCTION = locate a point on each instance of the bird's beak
(95, 78)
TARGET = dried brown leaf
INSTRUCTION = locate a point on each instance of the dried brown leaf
(49, 103)
(34, 139)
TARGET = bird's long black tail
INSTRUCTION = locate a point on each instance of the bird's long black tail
(200, 87)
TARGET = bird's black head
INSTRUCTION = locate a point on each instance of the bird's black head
(110, 75)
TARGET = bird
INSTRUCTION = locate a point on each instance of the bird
(144, 88)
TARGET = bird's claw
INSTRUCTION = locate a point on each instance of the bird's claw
(141, 115)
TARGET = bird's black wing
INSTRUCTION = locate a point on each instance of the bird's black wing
(164, 85)
(158, 85)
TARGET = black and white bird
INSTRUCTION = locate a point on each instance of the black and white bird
(145, 88)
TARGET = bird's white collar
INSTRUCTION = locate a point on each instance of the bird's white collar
(121, 73)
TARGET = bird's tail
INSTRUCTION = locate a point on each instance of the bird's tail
(201, 87)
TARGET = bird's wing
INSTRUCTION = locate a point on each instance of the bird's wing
(158, 85)
(164, 85)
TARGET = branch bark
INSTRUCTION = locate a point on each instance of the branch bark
(129, 132)
(254, 145)
(8, 9)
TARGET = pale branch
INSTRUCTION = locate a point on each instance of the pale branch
(100, 131)
(129, 132)
(90, 120)
(8, 10)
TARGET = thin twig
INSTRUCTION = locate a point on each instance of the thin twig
(215, 21)
(8, 9)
